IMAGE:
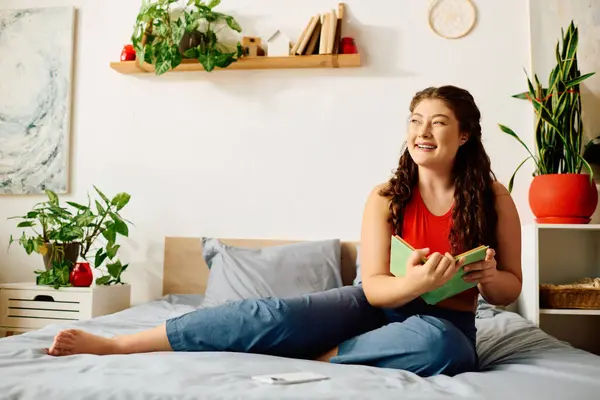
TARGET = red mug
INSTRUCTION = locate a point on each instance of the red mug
(81, 275)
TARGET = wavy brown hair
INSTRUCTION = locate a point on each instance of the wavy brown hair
(474, 216)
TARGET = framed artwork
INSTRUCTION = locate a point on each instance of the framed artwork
(36, 47)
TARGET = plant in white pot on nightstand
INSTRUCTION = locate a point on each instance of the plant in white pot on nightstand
(561, 191)
(65, 234)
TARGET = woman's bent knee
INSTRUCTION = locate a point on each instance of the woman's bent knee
(423, 345)
(441, 348)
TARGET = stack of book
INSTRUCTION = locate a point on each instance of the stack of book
(322, 34)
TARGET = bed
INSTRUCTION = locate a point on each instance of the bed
(518, 360)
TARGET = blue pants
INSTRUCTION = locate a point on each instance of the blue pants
(423, 339)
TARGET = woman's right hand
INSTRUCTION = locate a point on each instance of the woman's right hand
(434, 273)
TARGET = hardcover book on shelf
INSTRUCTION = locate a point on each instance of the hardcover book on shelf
(400, 251)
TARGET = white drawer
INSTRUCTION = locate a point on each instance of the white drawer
(33, 309)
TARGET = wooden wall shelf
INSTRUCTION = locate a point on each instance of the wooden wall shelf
(291, 62)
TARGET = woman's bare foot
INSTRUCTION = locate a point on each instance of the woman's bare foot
(75, 341)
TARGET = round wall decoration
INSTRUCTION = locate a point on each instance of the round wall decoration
(452, 19)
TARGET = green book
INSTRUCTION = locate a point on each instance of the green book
(400, 252)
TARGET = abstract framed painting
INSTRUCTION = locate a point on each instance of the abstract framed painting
(36, 72)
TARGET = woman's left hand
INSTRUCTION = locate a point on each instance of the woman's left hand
(482, 272)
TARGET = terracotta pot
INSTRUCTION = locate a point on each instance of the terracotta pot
(70, 253)
(563, 198)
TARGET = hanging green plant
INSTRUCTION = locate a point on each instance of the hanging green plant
(164, 38)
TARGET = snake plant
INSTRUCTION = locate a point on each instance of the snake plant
(558, 126)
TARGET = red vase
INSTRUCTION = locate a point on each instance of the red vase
(348, 46)
(128, 53)
(563, 198)
(81, 275)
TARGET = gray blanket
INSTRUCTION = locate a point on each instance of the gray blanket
(517, 361)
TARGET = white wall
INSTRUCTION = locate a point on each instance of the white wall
(280, 154)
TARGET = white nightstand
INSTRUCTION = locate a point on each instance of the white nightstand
(561, 254)
(27, 306)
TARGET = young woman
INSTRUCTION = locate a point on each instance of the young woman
(443, 199)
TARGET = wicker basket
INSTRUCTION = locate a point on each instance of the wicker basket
(583, 294)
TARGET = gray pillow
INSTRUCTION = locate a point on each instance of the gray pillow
(275, 271)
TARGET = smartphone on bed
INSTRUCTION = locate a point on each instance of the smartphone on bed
(289, 378)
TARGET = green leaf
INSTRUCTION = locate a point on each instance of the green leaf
(99, 207)
(121, 228)
(103, 280)
(110, 234)
(52, 197)
(111, 250)
(512, 178)
(26, 224)
(114, 269)
(578, 80)
(77, 205)
(192, 52)
(233, 24)
(102, 195)
(163, 67)
(224, 60)
(522, 96)
(29, 246)
(510, 132)
(120, 200)
(208, 62)
(214, 3)
(589, 168)
(99, 258)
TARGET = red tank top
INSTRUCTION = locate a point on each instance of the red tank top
(423, 229)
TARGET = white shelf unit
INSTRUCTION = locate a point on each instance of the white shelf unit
(561, 254)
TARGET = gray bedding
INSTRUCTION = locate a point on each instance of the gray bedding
(517, 361)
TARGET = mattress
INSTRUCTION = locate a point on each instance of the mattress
(518, 360)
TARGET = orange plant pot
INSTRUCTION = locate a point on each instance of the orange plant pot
(563, 198)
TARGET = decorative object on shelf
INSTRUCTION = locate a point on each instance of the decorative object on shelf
(348, 46)
(128, 53)
(81, 275)
(36, 47)
(278, 44)
(452, 19)
(252, 46)
(158, 35)
(560, 192)
(582, 294)
(57, 229)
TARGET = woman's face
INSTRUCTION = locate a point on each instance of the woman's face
(434, 135)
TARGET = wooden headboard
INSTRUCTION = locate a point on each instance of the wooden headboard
(185, 272)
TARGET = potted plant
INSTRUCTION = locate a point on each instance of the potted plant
(561, 191)
(65, 234)
(164, 38)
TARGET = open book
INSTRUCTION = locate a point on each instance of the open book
(400, 252)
